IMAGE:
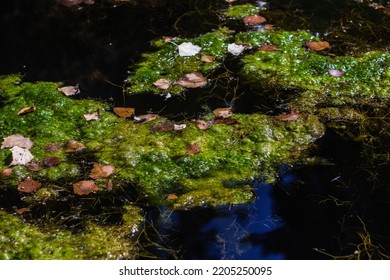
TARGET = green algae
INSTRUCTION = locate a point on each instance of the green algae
(240, 11)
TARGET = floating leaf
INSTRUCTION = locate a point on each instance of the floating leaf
(207, 58)
(192, 80)
(268, 48)
(193, 149)
(172, 197)
(34, 166)
(6, 172)
(92, 116)
(146, 118)
(124, 112)
(287, 117)
(179, 126)
(203, 125)
(26, 110)
(236, 49)
(20, 156)
(52, 147)
(70, 90)
(51, 161)
(223, 113)
(73, 146)
(85, 187)
(20, 211)
(29, 185)
(101, 171)
(162, 83)
(335, 73)
(317, 45)
(254, 20)
(163, 126)
(188, 49)
(17, 140)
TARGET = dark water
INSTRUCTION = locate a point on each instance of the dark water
(312, 212)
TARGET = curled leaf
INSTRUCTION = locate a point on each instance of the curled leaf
(254, 20)
(192, 80)
(20, 156)
(287, 117)
(85, 187)
(203, 125)
(29, 185)
(162, 83)
(17, 140)
(236, 49)
(101, 171)
(146, 118)
(124, 112)
(73, 146)
(317, 45)
(70, 90)
(26, 110)
(193, 149)
(188, 49)
(51, 161)
(92, 116)
(335, 73)
(223, 113)
(52, 147)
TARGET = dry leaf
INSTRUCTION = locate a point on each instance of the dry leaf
(146, 118)
(20, 211)
(193, 149)
(223, 113)
(124, 112)
(268, 48)
(29, 185)
(203, 125)
(6, 172)
(179, 126)
(26, 110)
(34, 166)
(163, 126)
(52, 147)
(92, 116)
(192, 80)
(51, 161)
(172, 197)
(17, 140)
(236, 49)
(85, 187)
(188, 49)
(335, 73)
(162, 83)
(73, 146)
(254, 20)
(70, 90)
(287, 117)
(317, 46)
(101, 171)
(207, 58)
(20, 156)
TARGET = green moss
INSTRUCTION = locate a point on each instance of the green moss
(240, 11)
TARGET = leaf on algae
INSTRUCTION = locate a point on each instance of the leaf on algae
(193, 149)
(73, 146)
(268, 48)
(188, 49)
(17, 140)
(207, 58)
(335, 73)
(162, 83)
(192, 80)
(317, 45)
(236, 49)
(287, 117)
(51, 161)
(70, 90)
(85, 187)
(146, 118)
(6, 172)
(124, 112)
(223, 113)
(101, 171)
(20, 156)
(254, 20)
(203, 125)
(29, 185)
(92, 116)
(52, 147)
(26, 110)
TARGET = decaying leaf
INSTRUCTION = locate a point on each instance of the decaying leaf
(20, 211)
(163, 126)
(124, 112)
(188, 49)
(203, 125)
(101, 171)
(268, 48)
(162, 84)
(29, 185)
(236, 49)
(287, 117)
(108, 184)
(146, 118)
(317, 45)
(51, 161)
(179, 126)
(20, 156)
(92, 116)
(254, 20)
(335, 73)
(85, 187)
(223, 113)
(226, 121)
(26, 110)
(34, 166)
(70, 90)
(207, 58)
(73, 146)
(52, 147)
(6, 172)
(172, 197)
(193, 149)
(192, 80)
(17, 140)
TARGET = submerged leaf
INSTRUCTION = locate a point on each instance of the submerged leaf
(73, 146)
(51, 161)
(85, 187)
(193, 149)
(17, 140)
(20, 211)
(29, 185)
(26, 110)
(162, 83)
(124, 112)
(268, 48)
(164, 126)
(188, 49)
(317, 45)
(52, 147)
(101, 171)
(20, 156)
(254, 20)
(34, 166)
(70, 90)
(223, 113)
(192, 80)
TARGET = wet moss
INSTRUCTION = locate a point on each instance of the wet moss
(240, 11)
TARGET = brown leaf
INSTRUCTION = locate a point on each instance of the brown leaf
(287, 117)
(70, 90)
(207, 58)
(193, 149)
(101, 171)
(223, 113)
(252, 21)
(226, 121)
(29, 185)
(146, 118)
(268, 48)
(335, 73)
(164, 126)
(6, 172)
(268, 26)
(51, 161)
(124, 112)
(162, 83)
(192, 80)
(168, 39)
(108, 185)
(20, 211)
(203, 125)
(17, 140)
(172, 197)
(34, 166)
(92, 116)
(317, 45)
(52, 147)
(73, 146)
(85, 187)
(26, 110)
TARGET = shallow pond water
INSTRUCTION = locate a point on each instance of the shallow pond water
(321, 211)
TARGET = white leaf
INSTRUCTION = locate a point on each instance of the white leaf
(179, 126)
(236, 49)
(20, 156)
(70, 90)
(92, 116)
(188, 49)
(17, 140)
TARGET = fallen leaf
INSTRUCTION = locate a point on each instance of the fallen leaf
(268, 48)
(20, 211)
(172, 197)
(168, 39)
(164, 126)
(268, 26)
(317, 45)
(51, 161)
(223, 113)
(17, 140)
(73, 146)
(20, 156)
(26, 110)
(162, 83)
(124, 112)
(188, 49)
(29, 185)
(85, 187)
(207, 58)
(177, 127)
(92, 116)
(192, 80)
(335, 73)
(287, 117)
(193, 149)
(52, 147)
(34, 166)
(101, 171)
(6, 172)
(236, 49)
(146, 118)
(226, 121)
(70, 90)
(203, 125)
(254, 20)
